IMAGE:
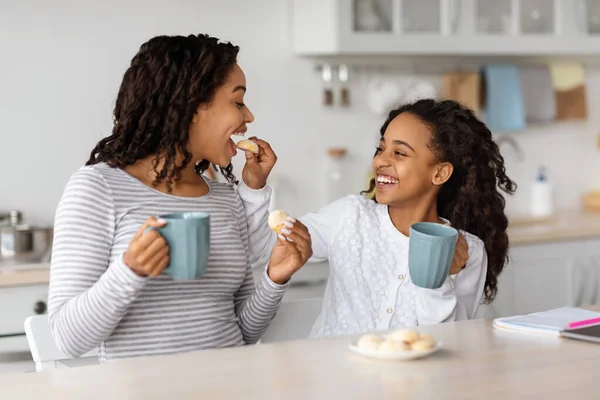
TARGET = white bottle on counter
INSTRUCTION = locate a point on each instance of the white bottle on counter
(542, 204)
(336, 185)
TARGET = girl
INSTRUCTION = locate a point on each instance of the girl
(180, 102)
(435, 162)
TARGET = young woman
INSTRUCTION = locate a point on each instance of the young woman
(436, 162)
(180, 102)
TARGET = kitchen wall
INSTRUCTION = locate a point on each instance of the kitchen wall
(62, 62)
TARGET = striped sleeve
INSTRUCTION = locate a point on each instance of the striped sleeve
(255, 306)
(87, 296)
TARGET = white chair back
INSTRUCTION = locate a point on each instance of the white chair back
(44, 351)
(293, 321)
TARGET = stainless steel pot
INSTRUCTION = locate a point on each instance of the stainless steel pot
(22, 243)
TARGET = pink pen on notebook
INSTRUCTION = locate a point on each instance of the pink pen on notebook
(585, 322)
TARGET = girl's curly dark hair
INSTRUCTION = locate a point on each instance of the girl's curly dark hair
(470, 199)
(163, 87)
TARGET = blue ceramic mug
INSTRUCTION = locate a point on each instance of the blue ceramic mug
(430, 253)
(188, 237)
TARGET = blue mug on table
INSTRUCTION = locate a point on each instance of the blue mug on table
(188, 237)
(430, 253)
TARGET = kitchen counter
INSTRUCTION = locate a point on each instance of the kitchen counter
(39, 274)
(476, 362)
(564, 226)
(24, 275)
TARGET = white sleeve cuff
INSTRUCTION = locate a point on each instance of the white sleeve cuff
(272, 286)
(124, 277)
(254, 195)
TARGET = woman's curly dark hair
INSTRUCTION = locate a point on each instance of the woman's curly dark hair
(470, 199)
(163, 87)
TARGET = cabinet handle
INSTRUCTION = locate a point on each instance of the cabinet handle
(574, 283)
(455, 10)
(591, 280)
(581, 15)
(588, 291)
(40, 307)
(594, 265)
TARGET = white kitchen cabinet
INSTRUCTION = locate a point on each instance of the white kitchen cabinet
(504, 302)
(19, 302)
(544, 276)
(541, 275)
(23, 293)
(445, 27)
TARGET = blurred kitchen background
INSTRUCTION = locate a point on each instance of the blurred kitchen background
(321, 74)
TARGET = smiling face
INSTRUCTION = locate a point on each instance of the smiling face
(214, 123)
(404, 167)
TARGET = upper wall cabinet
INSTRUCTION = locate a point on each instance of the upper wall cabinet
(447, 27)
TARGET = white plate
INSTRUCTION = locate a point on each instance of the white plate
(395, 356)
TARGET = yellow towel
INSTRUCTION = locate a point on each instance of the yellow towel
(568, 80)
(567, 75)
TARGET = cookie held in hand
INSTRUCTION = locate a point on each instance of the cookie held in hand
(277, 220)
(248, 145)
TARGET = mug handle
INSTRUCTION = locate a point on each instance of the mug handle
(151, 228)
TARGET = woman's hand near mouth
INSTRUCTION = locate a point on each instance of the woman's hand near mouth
(258, 166)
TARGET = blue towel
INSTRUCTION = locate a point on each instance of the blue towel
(505, 111)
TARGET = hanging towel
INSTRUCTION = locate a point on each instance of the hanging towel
(464, 87)
(568, 80)
(504, 100)
(538, 94)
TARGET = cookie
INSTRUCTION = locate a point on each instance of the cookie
(277, 220)
(370, 342)
(248, 145)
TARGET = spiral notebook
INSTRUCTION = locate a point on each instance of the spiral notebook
(547, 323)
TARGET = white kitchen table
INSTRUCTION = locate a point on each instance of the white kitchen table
(477, 362)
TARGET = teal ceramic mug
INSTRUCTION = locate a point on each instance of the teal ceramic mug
(188, 237)
(430, 253)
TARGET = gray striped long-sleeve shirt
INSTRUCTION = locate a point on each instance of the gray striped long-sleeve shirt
(95, 300)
